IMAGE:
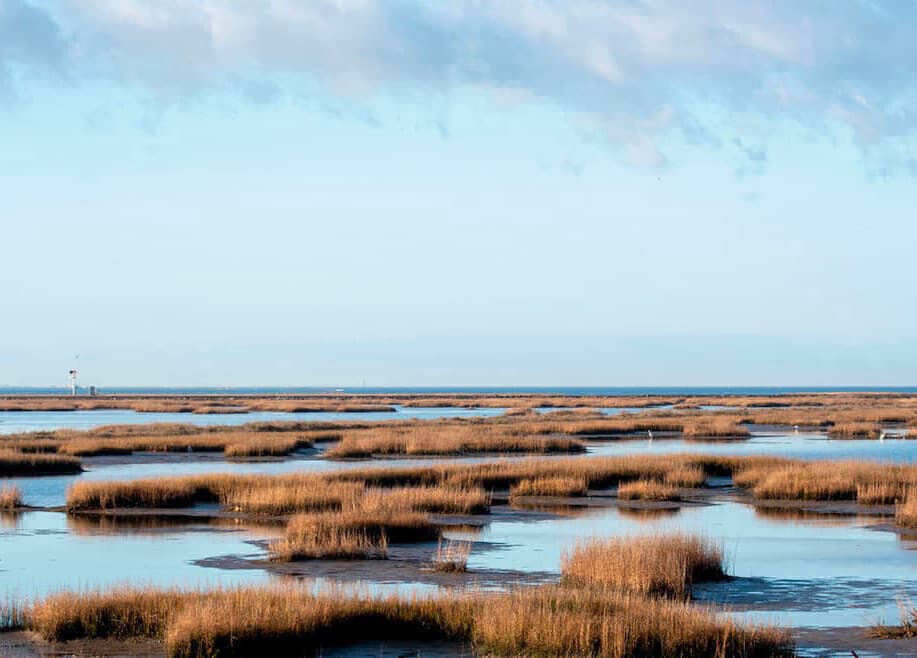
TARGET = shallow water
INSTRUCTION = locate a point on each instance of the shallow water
(84, 419)
(801, 570)
(801, 445)
(825, 572)
(42, 552)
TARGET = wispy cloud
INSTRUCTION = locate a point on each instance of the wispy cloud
(637, 69)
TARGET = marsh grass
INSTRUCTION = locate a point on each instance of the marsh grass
(447, 440)
(14, 463)
(647, 490)
(550, 486)
(906, 512)
(545, 620)
(830, 480)
(452, 555)
(686, 476)
(10, 497)
(353, 534)
(714, 428)
(855, 430)
(665, 565)
(266, 446)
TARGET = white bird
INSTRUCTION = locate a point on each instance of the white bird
(650, 433)
(796, 429)
(882, 436)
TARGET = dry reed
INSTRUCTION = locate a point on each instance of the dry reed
(533, 621)
(647, 490)
(906, 512)
(550, 486)
(652, 565)
(10, 497)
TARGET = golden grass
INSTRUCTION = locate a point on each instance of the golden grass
(352, 534)
(284, 493)
(532, 621)
(447, 440)
(564, 621)
(10, 497)
(906, 512)
(664, 565)
(13, 463)
(305, 494)
(881, 493)
(714, 428)
(266, 446)
(859, 430)
(686, 476)
(153, 492)
(647, 490)
(550, 486)
(830, 480)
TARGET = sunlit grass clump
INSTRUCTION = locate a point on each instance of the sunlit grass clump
(646, 489)
(550, 486)
(10, 497)
(547, 620)
(906, 512)
(652, 565)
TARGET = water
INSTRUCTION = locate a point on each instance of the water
(806, 571)
(41, 552)
(83, 419)
(819, 573)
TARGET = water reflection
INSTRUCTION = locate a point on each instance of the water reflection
(43, 554)
(869, 567)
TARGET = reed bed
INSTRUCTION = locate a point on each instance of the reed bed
(665, 565)
(449, 440)
(550, 486)
(304, 494)
(906, 512)
(240, 443)
(859, 430)
(14, 463)
(266, 446)
(644, 489)
(548, 620)
(352, 534)
(233, 489)
(830, 480)
(10, 497)
(714, 428)
(686, 476)
(564, 621)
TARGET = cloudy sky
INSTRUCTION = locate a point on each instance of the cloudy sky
(530, 192)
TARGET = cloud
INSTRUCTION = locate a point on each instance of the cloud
(639, 69)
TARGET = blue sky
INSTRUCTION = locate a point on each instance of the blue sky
(419, 193)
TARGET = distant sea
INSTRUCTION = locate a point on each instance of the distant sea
(397, 390)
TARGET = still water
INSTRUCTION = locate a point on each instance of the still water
(810, 571)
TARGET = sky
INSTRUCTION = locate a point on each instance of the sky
(408, 192)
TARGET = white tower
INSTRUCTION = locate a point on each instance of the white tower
(72, 374)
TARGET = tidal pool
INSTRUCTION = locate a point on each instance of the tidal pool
(41, 552)
(12, 422)
(818, 572)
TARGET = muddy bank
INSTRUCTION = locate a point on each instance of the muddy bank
(823, 642)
